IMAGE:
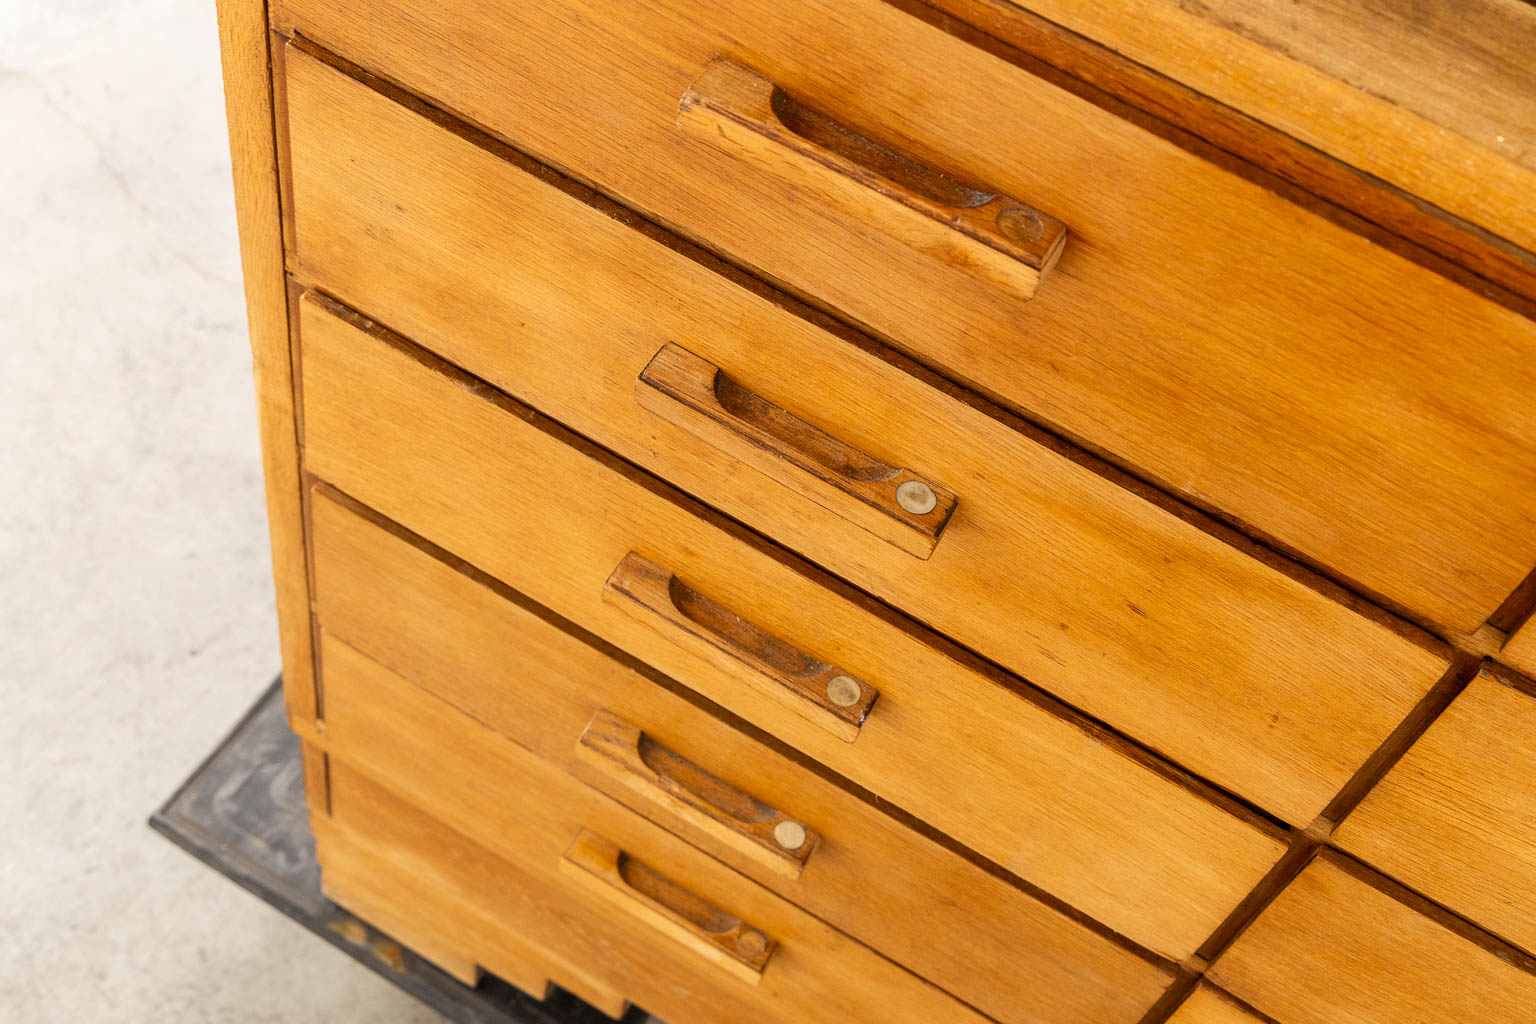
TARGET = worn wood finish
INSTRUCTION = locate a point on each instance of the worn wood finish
(1520, 649)
(1008, 243)
(822, 693)
(1362, 202)
(1207, 1006)
(1455, 819)
(663, 905)
(426, 449)
(376, 861)
(530, 815)
(243, 39)
(1316, 388)
(1438, 97)
(470, 643)
(1113, 604)
(631, 766)
(702, 399)
(1334, 949)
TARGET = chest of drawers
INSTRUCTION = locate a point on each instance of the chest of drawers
(858, 511)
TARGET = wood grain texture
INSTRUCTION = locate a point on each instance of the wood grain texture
(1116, 606)
(1436, 97)
(952, 744)
(1208, 1006)
(1520, 649)
(1333, 949)
(1008, 243)
(705, 401)
(1241, 142)
(243, 38)
(521, 808)
(1455, 819)
(539, 685)
(1316, 388)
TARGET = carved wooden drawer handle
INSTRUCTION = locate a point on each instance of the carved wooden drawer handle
(893, 503)
(740, 111)
(626, 757)
(821, 693)
(599, 866)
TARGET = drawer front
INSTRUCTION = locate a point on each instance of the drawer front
(1455, 819)
(1235, 347)
(1520, 649)
(775, 959)
(1113, 604)
(1206, 1006)
(946, 740)
(515, 672)
(1332, 948)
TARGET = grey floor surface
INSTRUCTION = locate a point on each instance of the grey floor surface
(135, 595)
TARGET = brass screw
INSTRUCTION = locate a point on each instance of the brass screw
(844, 691)
(751, 943)
(789, 834)
(916, 497)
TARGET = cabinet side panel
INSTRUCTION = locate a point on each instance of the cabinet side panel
(248, 100)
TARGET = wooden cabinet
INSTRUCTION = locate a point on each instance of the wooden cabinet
(786, 511)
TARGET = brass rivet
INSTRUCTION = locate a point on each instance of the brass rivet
(844, 691)
(1022, 223)
(916, 497)
(789, 834)
(751, 943)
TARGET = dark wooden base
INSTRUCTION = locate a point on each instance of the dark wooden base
(242, 813)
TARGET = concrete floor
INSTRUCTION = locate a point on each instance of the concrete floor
(135, 596)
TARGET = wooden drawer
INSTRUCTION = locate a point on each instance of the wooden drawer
(1236, 348)
(641, 914)
(1334, 948)
(950, 741)
(1207, 1006)
(1455, 819)
(1112, 603)
(1520, 649)
(511, 670)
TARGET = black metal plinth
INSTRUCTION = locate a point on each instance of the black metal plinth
(242, 813)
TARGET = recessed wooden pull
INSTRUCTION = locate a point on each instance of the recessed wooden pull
(824, 694)
(605, 870)
(738, 110)
(893, 503)
(626, 757)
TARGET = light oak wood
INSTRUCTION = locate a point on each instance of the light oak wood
(1455, 819)
(824, 694)
(1207, 1006)
(1097, 595)
(1003, 241)
(373, 863)
(1520, 649)
(624, 758)
(1238, 350)
(534, 682)
(702, 399)
(1333, 949)
(428, 450)
(1438, 97)
(243, 41)
(522, 808)
(631, 888)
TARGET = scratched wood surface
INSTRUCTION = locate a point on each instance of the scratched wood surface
(947, 741)
(528, 679)
(1236, 349)
(1120, 608)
